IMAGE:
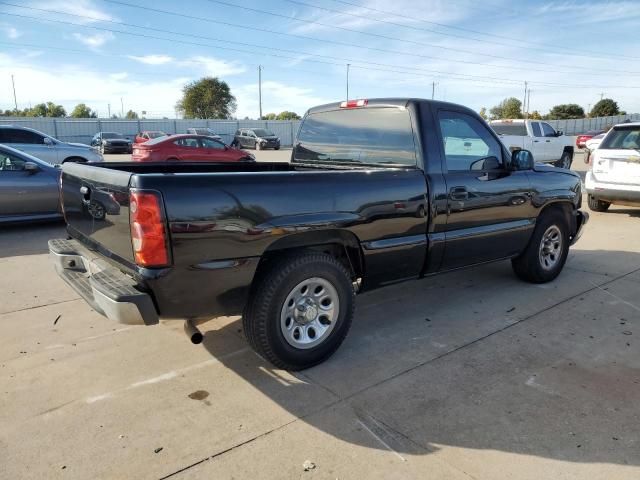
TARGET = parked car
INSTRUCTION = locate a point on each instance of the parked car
(112, 142)
(614, 176)
(258, 138)
(204, 131)
(540, 138)
(591, 145)
(373, 195)
(45, 147)
(581, 140)
(148, 135)
(29, 188)
(193, 148)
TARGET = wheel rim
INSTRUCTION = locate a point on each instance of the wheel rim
(567, 162)
(550, 248)
(309, 313)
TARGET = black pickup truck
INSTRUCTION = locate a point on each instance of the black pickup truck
(376, 192)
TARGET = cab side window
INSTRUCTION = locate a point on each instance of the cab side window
(537, 131)
(468, 144)
(548, 130)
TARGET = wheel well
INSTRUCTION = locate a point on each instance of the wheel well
(568, 149)
(565, 208)
(75, 159)
(342, 245)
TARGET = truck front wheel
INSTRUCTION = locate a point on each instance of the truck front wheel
(300, 310)
(565, 161)
(546, 254)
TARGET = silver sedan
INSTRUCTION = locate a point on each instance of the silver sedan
(29, 188)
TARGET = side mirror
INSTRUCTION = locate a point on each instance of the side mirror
(31, 167)
(522, 160)
(559, 133)
(47, 141)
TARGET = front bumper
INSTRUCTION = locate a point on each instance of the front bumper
(117, 149)
(109, 291)
(582, 218)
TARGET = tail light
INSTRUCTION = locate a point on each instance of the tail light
(148, 230)
(354, 103)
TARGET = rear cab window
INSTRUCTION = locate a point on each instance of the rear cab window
(368, 136)
(515, 129)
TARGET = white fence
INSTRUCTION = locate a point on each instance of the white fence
(82, 129)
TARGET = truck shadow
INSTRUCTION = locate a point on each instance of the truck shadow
(538, 370)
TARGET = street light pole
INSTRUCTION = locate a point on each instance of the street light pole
(260, 90)
(15, 99)
(348, 65)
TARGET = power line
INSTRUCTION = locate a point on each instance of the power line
(413, 27)
(376, 35)
(460, 76)
(478, 32)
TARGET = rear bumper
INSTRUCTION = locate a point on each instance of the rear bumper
(612, 192)
(104, 287)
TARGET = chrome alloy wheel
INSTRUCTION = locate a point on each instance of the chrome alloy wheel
(309, 313)
(550, 248)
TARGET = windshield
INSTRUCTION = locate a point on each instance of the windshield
(622, 138)
(517, 129)
(261, 132)
(111, 135)
(361, 136)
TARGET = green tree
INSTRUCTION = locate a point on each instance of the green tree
(566, 111)
(131, 115)
(269, 116)
(535, 115)
(483, 113)
(605, 108)
(48, 109)
(82, 111)
(286, 115)
(508, 108)
(208, 97)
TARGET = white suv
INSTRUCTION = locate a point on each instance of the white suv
(614, 176)
(47, 148)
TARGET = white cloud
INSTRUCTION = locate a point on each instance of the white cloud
(152, 59)
(77, 8)
(592, 12)
(11, 32)
(214, 66)
(94, 41)
(276, 97)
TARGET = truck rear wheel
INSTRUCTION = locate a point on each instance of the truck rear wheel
(565, 161)
(300, 310)
(597, 205)
(546, 254)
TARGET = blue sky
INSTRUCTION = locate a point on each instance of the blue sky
(143, 52)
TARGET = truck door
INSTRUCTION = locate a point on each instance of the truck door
(552, 144)
(538, 144)
(489, 211)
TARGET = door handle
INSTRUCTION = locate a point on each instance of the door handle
(458, 193)
(536, 141)
(547, 141)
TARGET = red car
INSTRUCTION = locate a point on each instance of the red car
(148, 135)
(188, 148)
(581, 140)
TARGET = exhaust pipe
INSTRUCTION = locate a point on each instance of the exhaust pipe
(192, 332)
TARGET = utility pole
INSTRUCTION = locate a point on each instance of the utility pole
(109, 110)
(601, 96)
(528, 103)
(348, 65)
(260, 90)
(524, 100)
(15, 99)
(433, 90)
(121, 108)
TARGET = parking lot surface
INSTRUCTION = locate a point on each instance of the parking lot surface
(470, 375)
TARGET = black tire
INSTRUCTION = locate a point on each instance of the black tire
(262, 317)
(75, 160)
(529, 266)
(277, 148)
(565, 161)
(597, 205)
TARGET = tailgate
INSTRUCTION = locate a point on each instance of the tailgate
(96, 206)
(617, 167)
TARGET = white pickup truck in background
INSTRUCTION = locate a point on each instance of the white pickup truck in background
(546, 144)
